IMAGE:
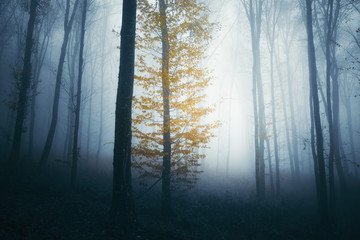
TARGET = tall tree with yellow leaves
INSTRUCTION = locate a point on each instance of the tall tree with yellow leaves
(168, 127)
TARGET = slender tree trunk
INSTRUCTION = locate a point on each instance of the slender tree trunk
(343, 156)
(10, 123)
(336, 125)
(228, 145)
(32, 106)
(40, 57)
(262, 130)
(313, 149)
(71, 59)
(229, 132)
(121, 195)
(270, 165)
(88, 137)
(166, 197)
(25, 83)
(294, 139)
(273, 115)
(329, 106)
(101, 117)
(321, 188)
(75, 150)
(218, 152)
(286, 122)
(55, 109)
(101, 94)
(350, 132)
(254, 14)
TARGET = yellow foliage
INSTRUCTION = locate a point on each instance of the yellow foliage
(189, 34)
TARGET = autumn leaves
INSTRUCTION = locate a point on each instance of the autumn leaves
(169, 103)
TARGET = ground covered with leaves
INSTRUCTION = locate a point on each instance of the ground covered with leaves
(42, 206)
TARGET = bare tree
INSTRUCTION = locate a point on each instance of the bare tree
(272, 11)
(68, 22)
(25, 83)
(75, 150)
(43, 33)
(314, 106)
(254, 14)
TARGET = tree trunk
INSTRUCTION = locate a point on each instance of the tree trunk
(101, 94)
(166, 197)
(336, 125)
(71, 59)
(25, 83)
(39, 58)
(88, 137)
(294, 141)
(328, 27)
(270, 165)
(254, 13)
(121, 194)
(286, 122)
(55, 109)
(229, 131)
(321, 187)
(350, 132)
(273, 111)
(75, 150)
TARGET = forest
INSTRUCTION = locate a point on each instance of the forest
(179, 119)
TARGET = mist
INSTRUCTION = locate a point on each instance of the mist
(191, 119)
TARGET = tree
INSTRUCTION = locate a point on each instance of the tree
(102, 89)
(72, 54)
(121, 194)
(43, 32)
(25, 83)
(75, 150)
(68, 22)
(8, 10)
(254, 13)
(272, 10)
(319, 164)
(172, 41)
(330, 13)
(288, 36)
(348, 90)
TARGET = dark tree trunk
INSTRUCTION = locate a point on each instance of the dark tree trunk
(50, 137)
(121, 195)
(25, 83)
(328, 27)
(321, 187)
(166, 197)
(313, 148)
(75, 150)
(218, 151)
(39, 62)
(88, 130)
(72, 54)
(270, 165)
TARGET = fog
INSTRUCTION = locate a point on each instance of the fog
(253, 153)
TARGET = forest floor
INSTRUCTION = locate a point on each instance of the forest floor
(42, 206)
